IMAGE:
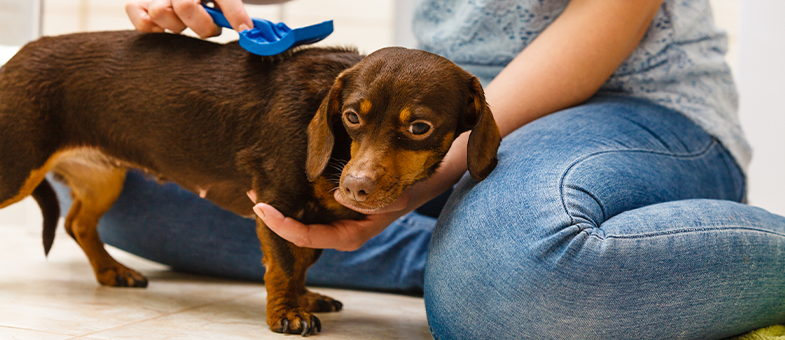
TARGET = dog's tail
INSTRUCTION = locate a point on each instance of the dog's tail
(50, 208)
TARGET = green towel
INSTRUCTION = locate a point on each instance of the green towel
(776, 332)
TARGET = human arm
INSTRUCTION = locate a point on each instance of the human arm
(176, 15)
(563, 67)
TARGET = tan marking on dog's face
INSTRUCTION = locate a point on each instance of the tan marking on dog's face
(447, 142)
(353, 149)
(365, 106)
(412, 165)
(393, 171)
(323, 189)
(405, 116)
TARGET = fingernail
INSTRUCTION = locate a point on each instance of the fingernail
(243, 27)
(258, 209)
(251, 195)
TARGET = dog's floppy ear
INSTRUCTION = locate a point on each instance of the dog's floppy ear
(320, 133)
(485, 137)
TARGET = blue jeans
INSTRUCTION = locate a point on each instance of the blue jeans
(615, 219)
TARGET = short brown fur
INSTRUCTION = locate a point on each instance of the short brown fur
(220, 121)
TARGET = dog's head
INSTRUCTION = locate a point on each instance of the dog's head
(402, 110)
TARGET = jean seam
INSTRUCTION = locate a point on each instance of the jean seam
(687, 231)
(696, 154)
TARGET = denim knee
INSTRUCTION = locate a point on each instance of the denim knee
(478, 275)
(509, 254)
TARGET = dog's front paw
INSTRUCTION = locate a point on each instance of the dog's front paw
(121, 276)
(296, 321)
(318, 303)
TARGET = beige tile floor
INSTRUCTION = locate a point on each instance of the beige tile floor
(58, 298)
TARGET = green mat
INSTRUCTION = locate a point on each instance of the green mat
(776, 332)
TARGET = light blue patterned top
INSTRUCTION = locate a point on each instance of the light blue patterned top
(679, 63)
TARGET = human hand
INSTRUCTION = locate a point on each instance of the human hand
(176, 15)
(343, 235)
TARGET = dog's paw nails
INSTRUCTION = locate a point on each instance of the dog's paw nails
(141, 283)
(304, 326)
(317, 325)
(337, 305)
(122, 277)
(299, 325)
(329, 305)
(120, 281)
(130, 281)
(285, 324)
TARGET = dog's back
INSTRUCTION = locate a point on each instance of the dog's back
(144, 98)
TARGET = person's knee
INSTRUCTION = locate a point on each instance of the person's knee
(482, 278)
(477, 290)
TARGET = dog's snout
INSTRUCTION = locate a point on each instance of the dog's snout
(358, 188)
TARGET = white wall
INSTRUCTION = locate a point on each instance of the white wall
(365, 24)
(19, 21)
(760, 74)
(404, 14)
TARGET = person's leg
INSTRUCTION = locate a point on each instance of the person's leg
(172, 226)
(611, 220)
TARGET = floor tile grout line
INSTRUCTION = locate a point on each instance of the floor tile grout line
(35, 330)
(168, 314)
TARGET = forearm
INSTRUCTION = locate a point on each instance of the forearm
(563, 67)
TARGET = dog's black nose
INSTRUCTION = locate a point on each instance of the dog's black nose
(358, 188)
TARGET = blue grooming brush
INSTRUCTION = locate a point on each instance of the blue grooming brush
(267, 39)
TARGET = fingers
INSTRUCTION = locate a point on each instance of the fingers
(137, 11)
(343, 235)
(288, 228)
(176, 15)
(194, 16)
(162, 13)
(235, 13)
(252, 195)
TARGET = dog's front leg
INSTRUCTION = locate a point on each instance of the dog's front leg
(289, 304)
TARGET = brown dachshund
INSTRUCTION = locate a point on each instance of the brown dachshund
(220, 121)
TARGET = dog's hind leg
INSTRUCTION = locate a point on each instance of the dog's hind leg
(94, 188)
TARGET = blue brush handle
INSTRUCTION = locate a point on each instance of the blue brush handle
(270, 30)
(217, 16)
(267, 39)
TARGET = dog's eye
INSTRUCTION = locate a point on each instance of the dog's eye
(352, 117)
(419, 128)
